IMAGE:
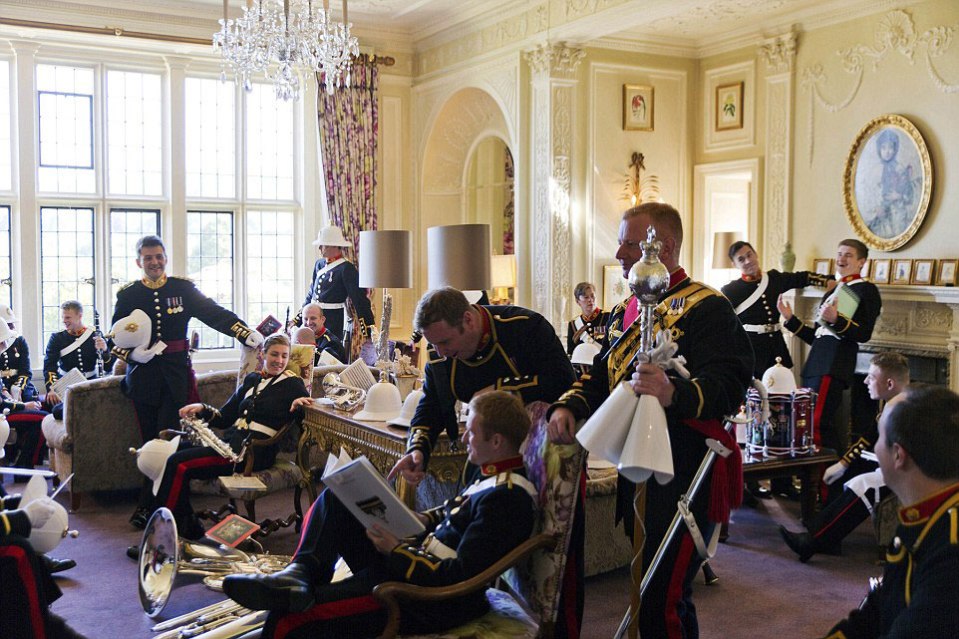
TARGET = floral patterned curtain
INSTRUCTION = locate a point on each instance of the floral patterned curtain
(349, 125)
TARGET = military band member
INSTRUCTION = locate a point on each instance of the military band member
(588, 325)
(492, 514)
(315, 319)
(334, 281)
(74, 347)
(478, 348)
(720, 363)
(162, 384)
(19, 396)
(835, 341)
(15, 360)
(754, 297)
(918, 452)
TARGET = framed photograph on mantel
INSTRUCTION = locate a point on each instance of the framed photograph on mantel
(901, 271)
(947, 273)
(923, 272)
(822, 266)
(638, 107)
(887, 182)
(729, 106)
(880, 271)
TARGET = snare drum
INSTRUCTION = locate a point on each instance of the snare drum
(789, 430)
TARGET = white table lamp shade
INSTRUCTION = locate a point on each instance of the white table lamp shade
(386, 259)
(459, 256)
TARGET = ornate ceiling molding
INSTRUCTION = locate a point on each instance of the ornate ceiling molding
(556, 60)
(779, 52)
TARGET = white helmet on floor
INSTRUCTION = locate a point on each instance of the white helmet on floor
(152, 456)
(48, 536)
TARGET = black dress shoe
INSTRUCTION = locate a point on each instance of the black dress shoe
(290, 590)
(799, 543)
(133, 552)
(55, 565)
(140, 517)
(749, 499)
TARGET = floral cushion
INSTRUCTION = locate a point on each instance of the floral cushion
(505, 620)
(283, 474)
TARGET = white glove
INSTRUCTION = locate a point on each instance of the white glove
(834, 472)
(254, 339)
(142, 355)
(39, 511)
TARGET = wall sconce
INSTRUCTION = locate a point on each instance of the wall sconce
(503, 278)
(637, 187)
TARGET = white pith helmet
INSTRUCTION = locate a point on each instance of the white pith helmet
(133, 330)
(45, 538)
(584, 353)
(409, 409)
(382, 403)
(152, 456)
(779, 379)
(330, 236)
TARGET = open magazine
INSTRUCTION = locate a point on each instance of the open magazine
(364, 491)
(72, 377)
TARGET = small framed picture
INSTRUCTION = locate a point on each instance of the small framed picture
(880, 271)
(637, 107)
(232, 530)
(901, 271)
(866, 268)
(922, 272)
(822, 266)
(615, 286)
(947, 273)
(729, 106)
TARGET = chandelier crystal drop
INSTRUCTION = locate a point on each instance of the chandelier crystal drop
(281, 39)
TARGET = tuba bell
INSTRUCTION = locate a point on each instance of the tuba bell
(163, 556)
(344, 396)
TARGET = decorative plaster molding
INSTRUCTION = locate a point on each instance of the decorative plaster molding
(778, 149)
(558, 60)
(895, 32)
(712, 12)
(540, 224)
(462, 124)
(779, 52)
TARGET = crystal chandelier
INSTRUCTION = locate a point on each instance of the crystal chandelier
(279, 38)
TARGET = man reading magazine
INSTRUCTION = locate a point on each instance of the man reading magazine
(492, 514)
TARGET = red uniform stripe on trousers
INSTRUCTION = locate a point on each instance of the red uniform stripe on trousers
(183, 467)
(325, 611)
(674, 594)
(27, 579)
(835, 520)
(306, 525)
(820, 404)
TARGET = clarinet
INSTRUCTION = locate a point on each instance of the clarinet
(98, 333)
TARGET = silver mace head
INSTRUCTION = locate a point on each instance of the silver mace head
(648, 277)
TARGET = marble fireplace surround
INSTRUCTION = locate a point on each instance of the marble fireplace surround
(920, 321)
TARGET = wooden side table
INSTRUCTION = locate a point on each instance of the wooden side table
(808, 467)
(383, 445)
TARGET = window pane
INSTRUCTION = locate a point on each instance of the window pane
(66, 257)
(6, 282)
(65, 111)
(269, 145)
(210, 138)
(6, 126)
(134, 133)
(126, 227)
(210, 264)
(269, 264)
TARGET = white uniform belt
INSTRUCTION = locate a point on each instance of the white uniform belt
(436, 547)
(331, 305)
(87, 374)
(257, 426)
(763, 328)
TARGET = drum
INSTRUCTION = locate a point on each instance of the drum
(789, 430)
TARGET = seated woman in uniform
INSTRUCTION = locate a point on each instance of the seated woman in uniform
(257, 410)
(591, 323)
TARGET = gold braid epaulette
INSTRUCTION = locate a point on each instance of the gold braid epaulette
(855, 451)
(621, 354)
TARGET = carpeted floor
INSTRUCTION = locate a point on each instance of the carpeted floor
(763, 590)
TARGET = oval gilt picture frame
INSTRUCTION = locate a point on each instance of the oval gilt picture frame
(887, 182)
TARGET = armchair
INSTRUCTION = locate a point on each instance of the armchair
(532, 571)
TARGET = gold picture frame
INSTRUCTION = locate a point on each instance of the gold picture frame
(946, 274)
(615, 286)
(638, 107)
(901, 271)
(880, 271)
(822, 266)
(729, 106)
(887, 182)
(923, 272)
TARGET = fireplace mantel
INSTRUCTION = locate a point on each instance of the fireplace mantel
(916, 320)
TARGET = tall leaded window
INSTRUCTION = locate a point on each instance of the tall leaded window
(269, 265)
(6, 128)
(210, 138)
(134, 133)
(269, 145)
(67, 261)
(6, 281)
(126, 227)
(210, 265)
(66, 151)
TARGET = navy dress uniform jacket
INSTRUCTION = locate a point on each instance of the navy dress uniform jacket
(329, 343)
(334, 287)
(15, 364)
(83, 358)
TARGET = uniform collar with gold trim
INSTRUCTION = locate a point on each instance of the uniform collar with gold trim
(153, 285)
(676, 278)
(592, 316)
(495, 468)
(752, 278)
(850, 278)
(920, 512)
(487, 338)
